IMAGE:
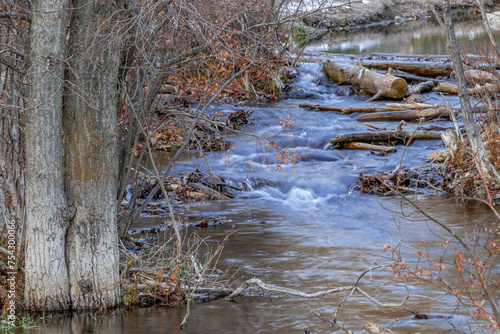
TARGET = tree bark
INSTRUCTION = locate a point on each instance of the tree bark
(445, 87)
(349, 110)
(474, 137)
(408, 115)
(369, 147)
(90, 129)
(365, 80)
(46, 276)
(422, 68)
(384, 136)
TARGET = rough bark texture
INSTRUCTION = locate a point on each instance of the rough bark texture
(384, 136)
(408, 115)
(12, 186)
(473, 135)
(90, 127)
(349, 110)
(46, 275)
(423, 68)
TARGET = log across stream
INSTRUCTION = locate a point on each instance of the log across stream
(304, 231)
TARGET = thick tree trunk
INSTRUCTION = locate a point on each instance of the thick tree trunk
(90, 127)
(46, 276)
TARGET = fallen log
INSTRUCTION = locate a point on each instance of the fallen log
(421, 88)
(347, 110)
(400, 106)
(412, 77)
(444, 87)
(488, 59)
(399, 55)
(370, 147)
(478, 76)
(365, 80)
(452, 89)
(485, 89)
(407, 115)
(384, 136)
(207, 191)
(422, 68)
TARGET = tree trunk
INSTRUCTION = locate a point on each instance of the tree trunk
(90, 129)
(475, 140)
(46, 275)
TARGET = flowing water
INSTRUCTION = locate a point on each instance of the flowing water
(305, 230)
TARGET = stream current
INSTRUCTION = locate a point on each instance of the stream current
(305, 230)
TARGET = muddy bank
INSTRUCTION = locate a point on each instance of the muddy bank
(381, 12)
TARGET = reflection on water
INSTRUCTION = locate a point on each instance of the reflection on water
(306, 255)
(419, 37)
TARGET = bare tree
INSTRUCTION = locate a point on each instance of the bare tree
(71, 248)
(86, 64)
(475, 140)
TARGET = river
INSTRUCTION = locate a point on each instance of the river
(305, 230)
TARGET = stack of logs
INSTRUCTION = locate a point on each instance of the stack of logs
(429, 75)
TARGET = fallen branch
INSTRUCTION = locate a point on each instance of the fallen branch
(423, 68)
(352, 289)
(400, 106)
(384, 136)
(370, 147)
(347, 110)
(408, 115)
(207, 191)
(259, 283)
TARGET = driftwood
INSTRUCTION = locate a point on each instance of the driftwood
(412, 77)
(406, 56)
(478, 76)
(421, 88)
(451, 141)
(488, 59)
(408, 115)
(370, 147)
(401, 106)
(452, 89)
(445, 87)
(365, 80)
(384, 136)
(423, 68)
(207, 191)
(347, 110)
(485, 89)
(259, 283)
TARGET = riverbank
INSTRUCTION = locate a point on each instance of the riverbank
(360, 15)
